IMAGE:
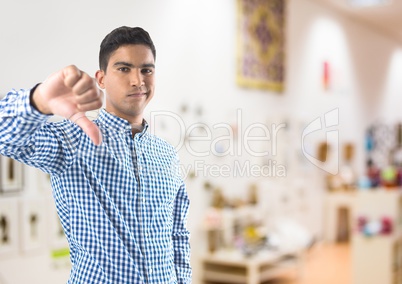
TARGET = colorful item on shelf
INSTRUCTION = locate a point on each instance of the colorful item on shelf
(383, 145)
(370, 228)
(361, 223)
(373, 174)
(388, 176)
(386, 228)
(370, 139)
(364, 182)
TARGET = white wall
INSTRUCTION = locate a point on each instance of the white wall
(196, 52)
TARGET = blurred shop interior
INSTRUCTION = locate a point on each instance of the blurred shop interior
(286, 115)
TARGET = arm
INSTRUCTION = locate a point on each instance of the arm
(181, 237)
(24, 135)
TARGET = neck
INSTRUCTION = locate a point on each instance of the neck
(136, 128)
(135, 122)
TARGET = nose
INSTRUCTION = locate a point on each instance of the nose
(136, 78)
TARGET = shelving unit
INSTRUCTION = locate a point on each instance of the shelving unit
(232, 267)
(378, 259)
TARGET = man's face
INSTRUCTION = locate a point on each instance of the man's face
(129, 67)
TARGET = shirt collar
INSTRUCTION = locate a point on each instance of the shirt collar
(112, 122)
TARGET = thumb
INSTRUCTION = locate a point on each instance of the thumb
(90, 128)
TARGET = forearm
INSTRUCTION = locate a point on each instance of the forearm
(18, 119)
(24, 136)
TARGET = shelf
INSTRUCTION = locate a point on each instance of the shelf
(378, 259)
(229, 267)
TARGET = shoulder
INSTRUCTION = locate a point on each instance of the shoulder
(160, 145)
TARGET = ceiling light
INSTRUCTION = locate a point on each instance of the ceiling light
(369, 3)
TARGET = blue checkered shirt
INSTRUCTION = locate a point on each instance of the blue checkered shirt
(123, 204)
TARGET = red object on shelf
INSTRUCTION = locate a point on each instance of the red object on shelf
(361, 223)
(326, 76)
(386, 226)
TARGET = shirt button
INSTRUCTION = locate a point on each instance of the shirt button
(150, 271)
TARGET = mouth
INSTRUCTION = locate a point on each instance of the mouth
(137, 95)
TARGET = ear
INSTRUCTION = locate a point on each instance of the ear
(100, 76)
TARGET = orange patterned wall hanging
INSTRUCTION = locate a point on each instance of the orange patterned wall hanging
(261, 44)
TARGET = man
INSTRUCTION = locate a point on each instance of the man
(120, 198)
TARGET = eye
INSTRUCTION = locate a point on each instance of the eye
(147, 71)
(124, 69)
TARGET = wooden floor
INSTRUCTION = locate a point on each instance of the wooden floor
(324, 264)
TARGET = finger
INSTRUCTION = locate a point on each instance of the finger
(83, 84)
(90, 128)
(92, 105)
(91, 95)
(71, 75)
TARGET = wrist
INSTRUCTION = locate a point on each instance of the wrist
(35, 100)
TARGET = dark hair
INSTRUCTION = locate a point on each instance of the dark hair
(123, 36)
